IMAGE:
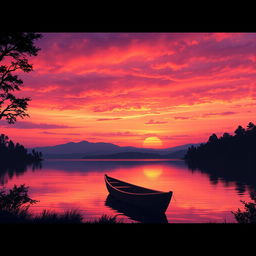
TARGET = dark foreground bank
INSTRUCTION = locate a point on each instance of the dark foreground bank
(14, 208)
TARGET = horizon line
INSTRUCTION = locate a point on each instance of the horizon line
(112, 144)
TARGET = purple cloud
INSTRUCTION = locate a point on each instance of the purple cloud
(31, 125)
(56, 133)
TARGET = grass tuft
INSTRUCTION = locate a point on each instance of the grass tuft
(69, 216)
(106, 219)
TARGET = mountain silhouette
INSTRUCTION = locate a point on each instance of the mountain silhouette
(85, 149)
(127, 155)
(138, 155)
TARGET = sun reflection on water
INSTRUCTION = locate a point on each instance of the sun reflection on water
(152, 173)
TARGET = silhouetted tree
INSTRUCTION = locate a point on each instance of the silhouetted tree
(226, 136)
(11, 152)
(16, 200)
(231, 157)
(237, 150)
(240, 131)
(250, 126)
(240, 147)
(213, 138)
(11, 146)
(15, 47)
(249, 214)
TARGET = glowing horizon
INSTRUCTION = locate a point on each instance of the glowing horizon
(123, 88)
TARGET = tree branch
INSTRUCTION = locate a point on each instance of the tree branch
(16, 45)
(6, 109)
(6, 52)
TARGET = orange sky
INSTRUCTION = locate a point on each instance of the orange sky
(125, 87)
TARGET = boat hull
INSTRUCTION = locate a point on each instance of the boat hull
(157, 202)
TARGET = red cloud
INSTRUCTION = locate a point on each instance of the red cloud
(181, 117)
(108, 119)
(87, 74)
(151, 121)
(227, 113)
(56, 133)
(117, 107)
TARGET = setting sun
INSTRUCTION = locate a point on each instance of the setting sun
(152, 142)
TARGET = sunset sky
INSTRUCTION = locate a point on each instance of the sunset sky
(125, 87)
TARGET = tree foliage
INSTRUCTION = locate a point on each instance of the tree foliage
(239, 147)
(15, 48)
(249, 213)
(11, 152)
(227, 158)
(14, 205)
(16, 200)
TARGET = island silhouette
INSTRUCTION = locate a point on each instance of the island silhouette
(229, 157)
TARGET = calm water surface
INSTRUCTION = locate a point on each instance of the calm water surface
(79, 184)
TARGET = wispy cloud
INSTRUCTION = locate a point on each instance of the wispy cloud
(151, 121)
(56, 133)
(181, 117)
(108, 119)
(205, 115)
(31, 125)
(227, 113)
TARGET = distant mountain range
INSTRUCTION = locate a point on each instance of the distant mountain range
(138, 155)
(86, 149)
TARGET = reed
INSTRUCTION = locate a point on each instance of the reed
(67, 217)
(105, 219)
(51, 217)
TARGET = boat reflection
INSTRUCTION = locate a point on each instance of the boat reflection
(133, 212)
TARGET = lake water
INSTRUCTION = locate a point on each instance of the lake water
(79, 184)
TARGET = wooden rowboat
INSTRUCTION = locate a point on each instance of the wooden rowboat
(145, 198)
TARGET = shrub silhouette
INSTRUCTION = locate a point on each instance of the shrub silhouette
(249, 214)
(14, 205)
